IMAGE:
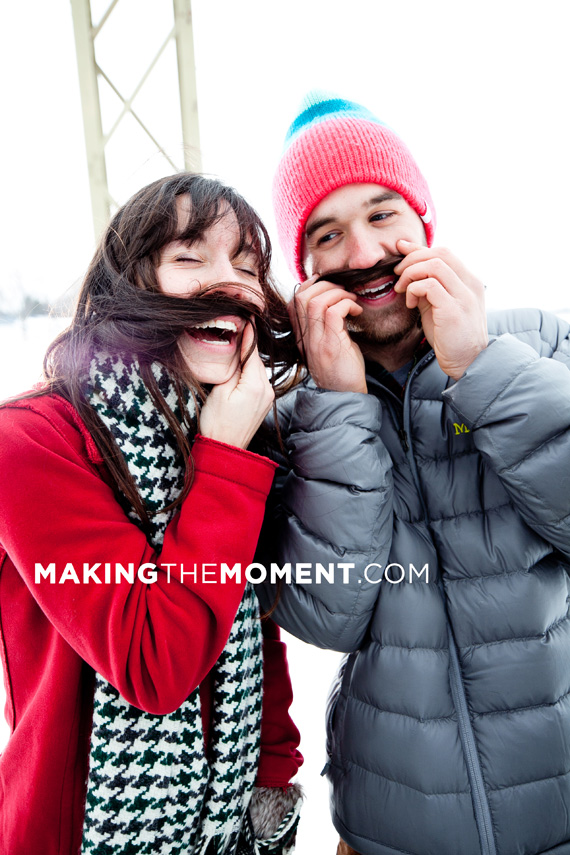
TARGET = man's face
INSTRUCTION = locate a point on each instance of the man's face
(354, 228)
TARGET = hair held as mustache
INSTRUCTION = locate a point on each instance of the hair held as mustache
(147, 322)
(354, 278)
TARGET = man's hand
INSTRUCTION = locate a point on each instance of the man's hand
(234, 410)
(318, 312)
(451, 303)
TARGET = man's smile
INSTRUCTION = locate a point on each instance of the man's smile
(376, 289)
(369, 284)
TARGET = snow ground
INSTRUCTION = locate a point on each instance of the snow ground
(22, 346)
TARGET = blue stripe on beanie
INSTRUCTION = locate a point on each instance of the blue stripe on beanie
(319, 106)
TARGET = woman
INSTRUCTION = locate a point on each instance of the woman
(126, 486)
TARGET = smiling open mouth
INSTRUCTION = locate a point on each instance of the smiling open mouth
(217, 331)
(377, 290)
(356, 280)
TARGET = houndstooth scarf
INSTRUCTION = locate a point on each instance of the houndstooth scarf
(151, 789)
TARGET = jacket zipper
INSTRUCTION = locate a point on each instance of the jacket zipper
(387, 396)
(480, 802)
(479, 796)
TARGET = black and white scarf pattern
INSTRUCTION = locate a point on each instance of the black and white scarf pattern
(151, 788)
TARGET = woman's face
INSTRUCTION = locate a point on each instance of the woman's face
(212, 350)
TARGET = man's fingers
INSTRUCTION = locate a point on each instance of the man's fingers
(429, 289)
(304, 298)
(300, 287)
(318, 313)
(320, 304)
(431, 268)
(335, 317)
(407, 246)
(416, 253)
(305, 316)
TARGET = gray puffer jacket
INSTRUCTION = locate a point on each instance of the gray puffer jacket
(449, 727)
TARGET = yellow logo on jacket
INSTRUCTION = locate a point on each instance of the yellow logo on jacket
(460, 428)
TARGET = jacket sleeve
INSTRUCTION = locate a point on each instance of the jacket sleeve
(154, 642)
(515, 397)
(279, 758)
(332, 506)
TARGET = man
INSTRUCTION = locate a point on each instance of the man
(437, 450)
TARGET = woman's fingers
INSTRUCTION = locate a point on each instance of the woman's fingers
(234, 410)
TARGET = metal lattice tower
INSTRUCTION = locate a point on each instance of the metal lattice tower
(91, 75)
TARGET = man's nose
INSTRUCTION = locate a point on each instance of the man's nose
(364, 251)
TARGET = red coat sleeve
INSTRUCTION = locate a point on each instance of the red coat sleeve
(279, 759)
(153, 642)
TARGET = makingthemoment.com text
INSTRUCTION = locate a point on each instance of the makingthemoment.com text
(108, 573)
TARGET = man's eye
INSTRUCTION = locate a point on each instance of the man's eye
(186, 258)
(327, 238)
(381, 215)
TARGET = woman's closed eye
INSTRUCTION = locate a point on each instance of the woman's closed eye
(250, 271)
(187, 258)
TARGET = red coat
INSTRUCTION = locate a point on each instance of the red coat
(154, 642)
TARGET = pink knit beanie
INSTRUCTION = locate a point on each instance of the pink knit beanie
(333, 142)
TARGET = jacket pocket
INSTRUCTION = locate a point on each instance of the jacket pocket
(336, 706)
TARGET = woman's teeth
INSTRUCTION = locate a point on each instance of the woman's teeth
(216, 331)
(218, 324)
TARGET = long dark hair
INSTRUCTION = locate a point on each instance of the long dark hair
(121, 310)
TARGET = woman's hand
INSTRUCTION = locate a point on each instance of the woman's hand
(234, 410)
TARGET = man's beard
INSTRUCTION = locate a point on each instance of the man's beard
(373, 331)
(377, 330)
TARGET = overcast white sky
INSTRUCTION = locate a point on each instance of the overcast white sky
(478, 91)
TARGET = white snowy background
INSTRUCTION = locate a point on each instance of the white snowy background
(479, 93)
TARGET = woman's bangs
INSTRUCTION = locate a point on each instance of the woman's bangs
(205, 212)
(199, 218)
(253, 237)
